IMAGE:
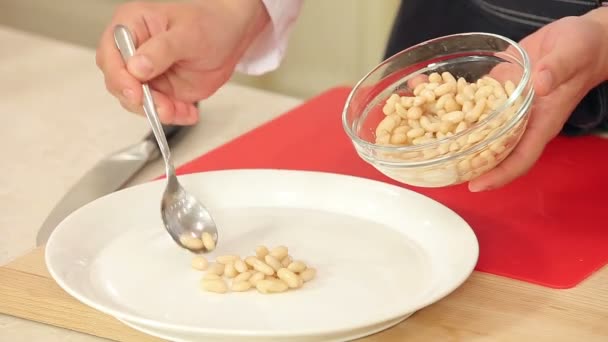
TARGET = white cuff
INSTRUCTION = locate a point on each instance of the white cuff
(268, 49)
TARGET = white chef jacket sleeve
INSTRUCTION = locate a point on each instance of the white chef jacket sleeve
(268, 49)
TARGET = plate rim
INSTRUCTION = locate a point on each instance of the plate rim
(439, 295)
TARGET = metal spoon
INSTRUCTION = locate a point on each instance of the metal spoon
(185, 218)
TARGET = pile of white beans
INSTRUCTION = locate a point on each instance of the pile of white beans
(441, 109)
(269, 271)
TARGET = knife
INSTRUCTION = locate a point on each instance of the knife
(108, 175)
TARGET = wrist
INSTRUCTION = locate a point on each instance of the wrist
(253, 16)
(600, 17)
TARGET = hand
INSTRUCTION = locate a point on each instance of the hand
(569, 58)
(185, 50)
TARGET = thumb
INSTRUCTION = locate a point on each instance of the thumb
(156, 55)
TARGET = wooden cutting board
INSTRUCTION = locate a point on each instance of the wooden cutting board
(484, 308)
(28, 291)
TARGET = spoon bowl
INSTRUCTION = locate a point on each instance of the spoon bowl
(188, 222)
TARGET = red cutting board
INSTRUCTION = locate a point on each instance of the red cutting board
(549, 227)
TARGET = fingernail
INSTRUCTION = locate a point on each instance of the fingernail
(140, 66)
(474, 187)
(129, 95)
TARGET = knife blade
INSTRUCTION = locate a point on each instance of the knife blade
(108, 175)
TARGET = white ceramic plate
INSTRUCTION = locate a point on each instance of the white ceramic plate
(381, 252)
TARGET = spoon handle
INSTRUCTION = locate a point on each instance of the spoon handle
(125, 45)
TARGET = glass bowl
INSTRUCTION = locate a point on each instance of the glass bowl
(442, 112)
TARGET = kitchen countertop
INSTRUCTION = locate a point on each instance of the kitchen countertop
(57, 121)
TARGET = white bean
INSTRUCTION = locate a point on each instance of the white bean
(460, 99)
(415, 133)
(243, 276)
(467, 106)
(393, 99)
(464, 165)
(429, 126)
(435, 78)
(261, 266)
(286, 261)
(383, 139)
(446, 88)
(230, 271)
(388, 109)
(290, 278)
(216, 269)
(509, 87)
(414, 113)
(214, 285)
(461, 127)
(273, 262)
(451, 105)
(447, 77)
(191, 242)
(297, 266)
(398, 139)
(407, 101)
(453, 117)
(413, 123)
(308, 274)
(491, 81)
(488, 155)
(240, 266)
(241, 286)
(476, 137)
(497, 148)
(432, 86)
(440, 104)
(256, 277)
(419, 88)
(475, 113)
(279, 252)
(422, 140)
(268, 286)
(419, 101)
(388, 124)
(200, 263)
(483, 92)
(261, 251)
(445, 127)
(400, 110)
(461, 83)
(211, 276)
(468, 93)
(208, 241)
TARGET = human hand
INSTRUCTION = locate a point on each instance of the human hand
(569, 58)
(185, 50)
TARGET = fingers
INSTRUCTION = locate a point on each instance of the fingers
(523, 157)
(171, 111)
(562, 59)
(119, 82)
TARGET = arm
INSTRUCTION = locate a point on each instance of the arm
(592, 112)
(267, 51)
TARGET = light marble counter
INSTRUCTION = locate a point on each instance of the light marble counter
(57, 121)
